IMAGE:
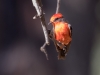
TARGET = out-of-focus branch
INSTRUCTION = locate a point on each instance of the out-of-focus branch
(58, 6)
(38, 6)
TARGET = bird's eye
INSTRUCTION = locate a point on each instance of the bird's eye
(56, 19)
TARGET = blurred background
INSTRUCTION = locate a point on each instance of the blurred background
(21, 38)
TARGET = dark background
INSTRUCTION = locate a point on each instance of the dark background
(21, 38)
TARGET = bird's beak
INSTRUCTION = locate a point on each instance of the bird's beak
(49, 23)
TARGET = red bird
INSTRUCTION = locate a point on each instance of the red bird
(61, 34)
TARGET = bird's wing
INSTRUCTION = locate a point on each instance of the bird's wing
(70, 27)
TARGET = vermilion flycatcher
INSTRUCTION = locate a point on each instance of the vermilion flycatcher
(61, 34)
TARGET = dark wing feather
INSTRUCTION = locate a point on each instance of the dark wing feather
(70, 27)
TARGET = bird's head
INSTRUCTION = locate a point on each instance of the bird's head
(55, 18)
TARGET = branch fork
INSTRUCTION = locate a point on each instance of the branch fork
(40, 14)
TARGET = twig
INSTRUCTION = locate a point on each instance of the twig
(38, 6)
(58, 6)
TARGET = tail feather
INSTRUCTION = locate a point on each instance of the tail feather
(61, 54)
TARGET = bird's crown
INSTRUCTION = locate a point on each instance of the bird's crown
(55, 17)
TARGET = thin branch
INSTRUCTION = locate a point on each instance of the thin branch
(38, 6)
(58, 6)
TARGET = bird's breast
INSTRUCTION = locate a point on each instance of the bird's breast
(62, 33)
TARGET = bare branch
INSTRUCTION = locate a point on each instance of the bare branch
(58, 6)
(38, 6)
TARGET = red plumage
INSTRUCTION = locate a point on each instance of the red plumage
(61, 34)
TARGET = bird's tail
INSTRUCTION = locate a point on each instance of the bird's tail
(61, 54)
(63, 51)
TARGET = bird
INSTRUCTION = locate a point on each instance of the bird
(61, 34)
